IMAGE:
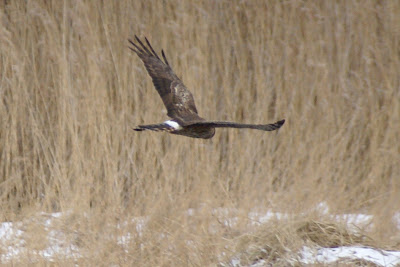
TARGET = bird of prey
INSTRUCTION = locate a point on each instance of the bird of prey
(179, 101)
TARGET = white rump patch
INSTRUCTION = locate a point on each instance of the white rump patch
(173, 124)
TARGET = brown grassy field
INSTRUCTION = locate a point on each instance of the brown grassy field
(71, 91)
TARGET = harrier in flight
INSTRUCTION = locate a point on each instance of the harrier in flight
(179, 101)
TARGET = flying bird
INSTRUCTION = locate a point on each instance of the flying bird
(179, 101)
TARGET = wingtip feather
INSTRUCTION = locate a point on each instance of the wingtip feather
(164, 57)
(151, 48)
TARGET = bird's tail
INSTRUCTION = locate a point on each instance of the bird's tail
(163, 127)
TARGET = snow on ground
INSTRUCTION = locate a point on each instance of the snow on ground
(10, 241)
(319, 255)
(14, 246)
(331, 255)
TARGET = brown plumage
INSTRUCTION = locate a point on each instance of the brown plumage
(179, 101)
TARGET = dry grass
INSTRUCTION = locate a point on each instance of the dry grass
(70, 92)
(279, 243)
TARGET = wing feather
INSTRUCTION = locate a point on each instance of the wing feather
(174, 94)
(227, 124)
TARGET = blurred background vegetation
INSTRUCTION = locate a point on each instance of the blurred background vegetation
(71, 91)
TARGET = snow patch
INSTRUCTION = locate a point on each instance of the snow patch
(14, 246)
(329, 255)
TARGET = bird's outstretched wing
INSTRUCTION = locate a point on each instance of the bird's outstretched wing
(226, 124)
(177, 99)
